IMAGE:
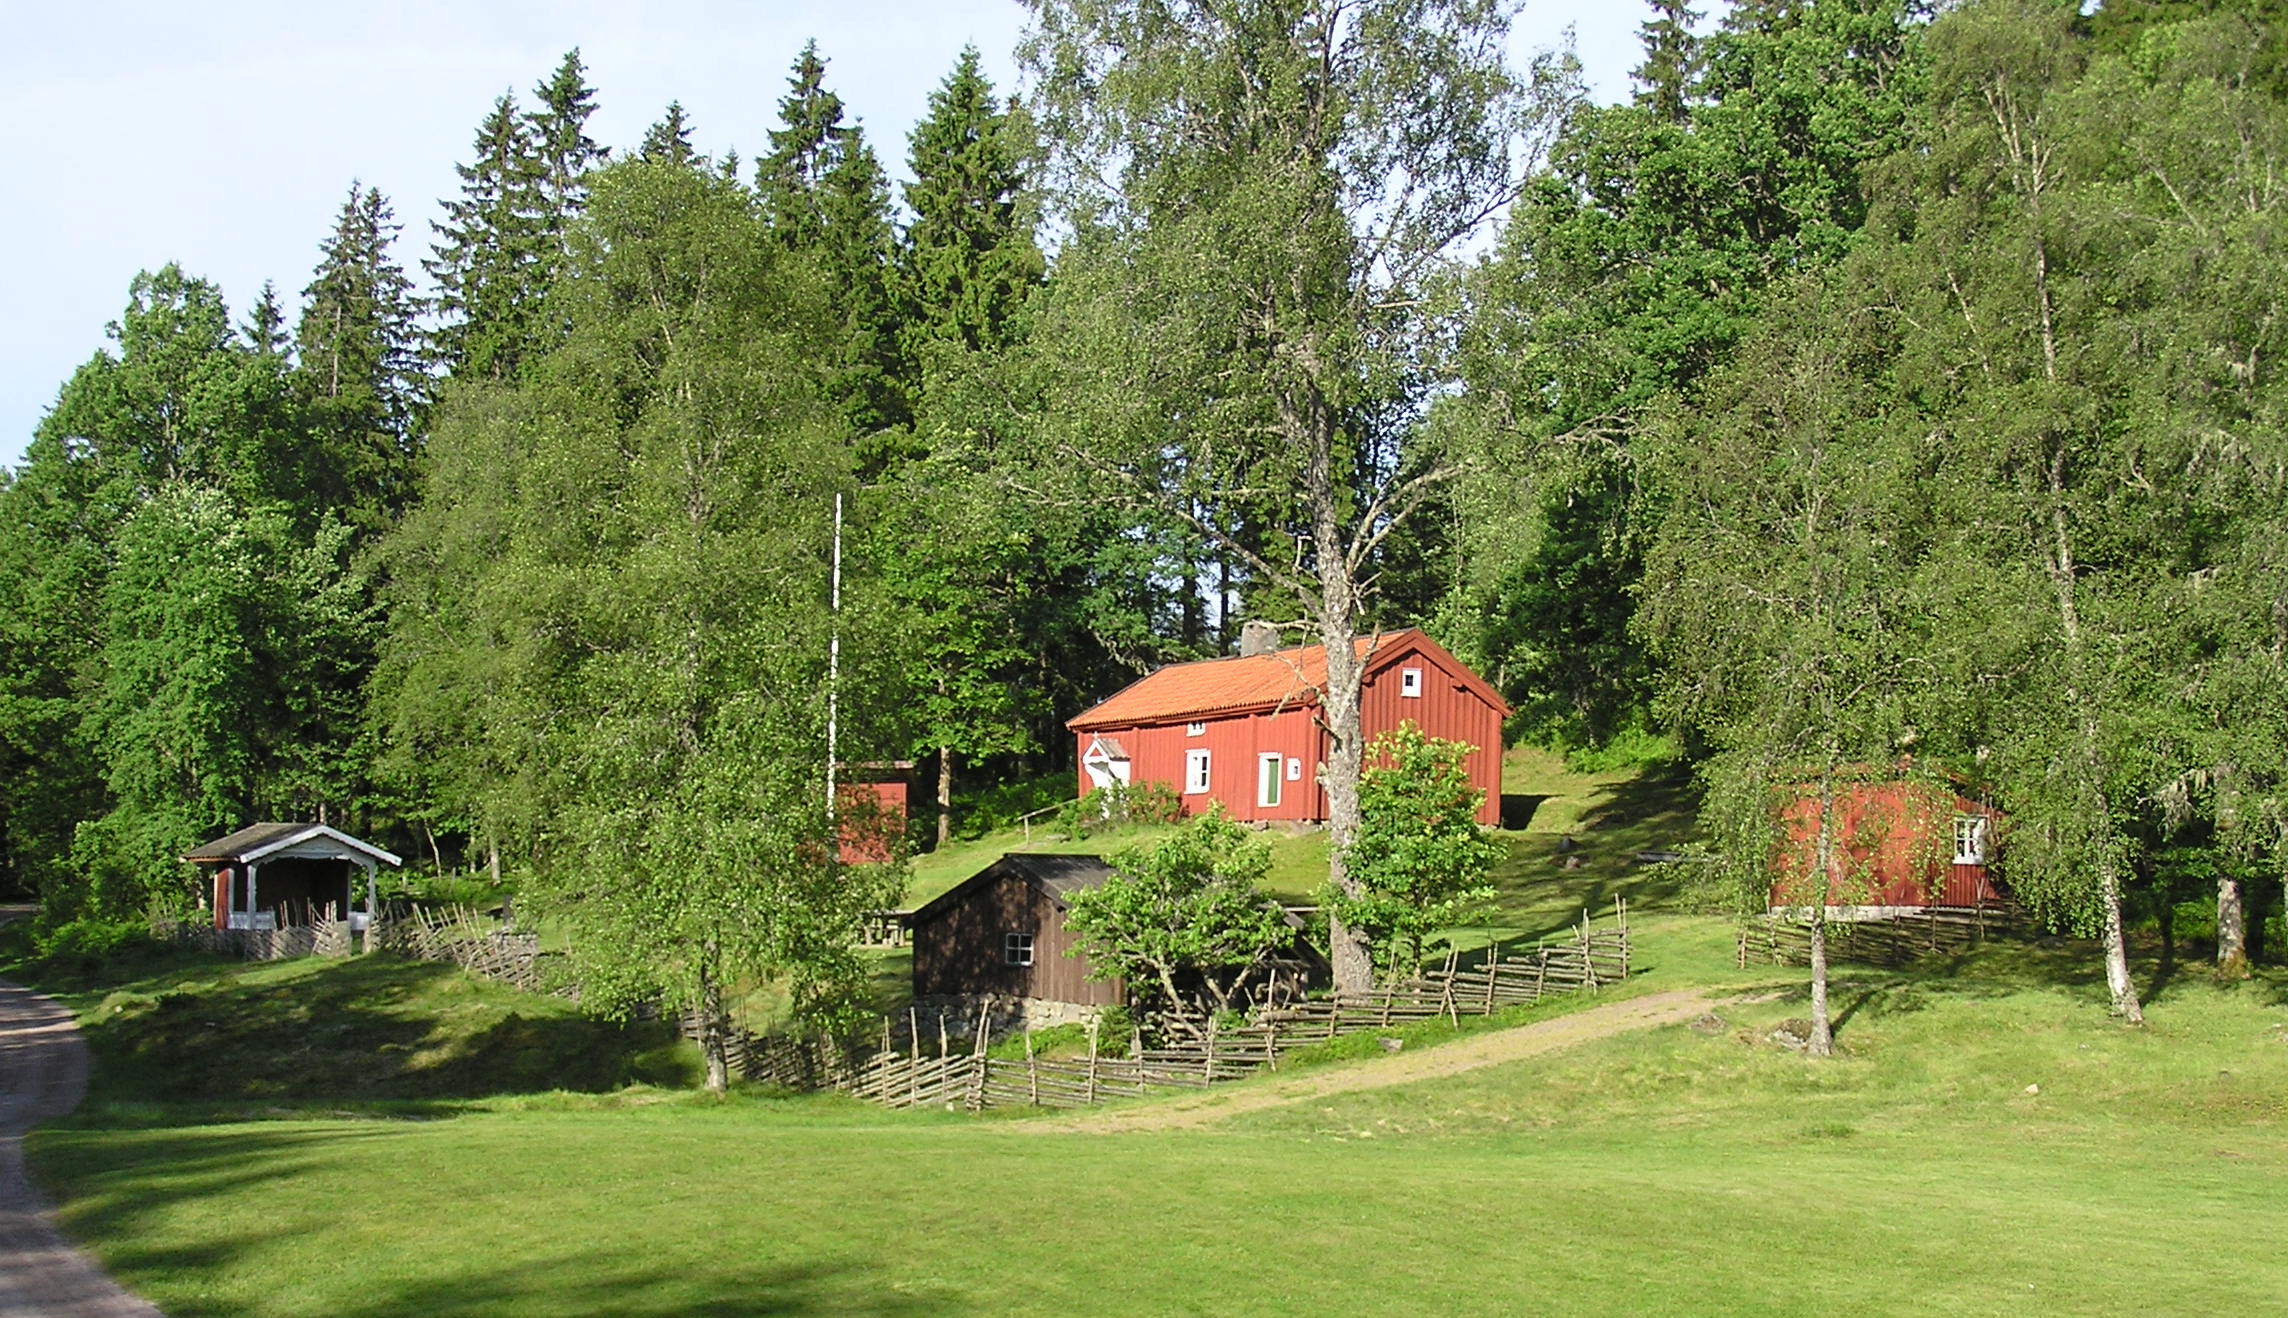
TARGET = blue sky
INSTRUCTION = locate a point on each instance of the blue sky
(223, 135)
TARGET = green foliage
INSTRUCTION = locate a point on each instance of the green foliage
(1121, 805)
(1630, 268)
(356, 369)
(1420, 858)
(995, 807)
(1633, 746)
(1181, 912)
(652, 614)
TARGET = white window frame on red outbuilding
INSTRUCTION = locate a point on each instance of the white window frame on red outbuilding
(1410, 683)
(1973, 837)
(1197, 767)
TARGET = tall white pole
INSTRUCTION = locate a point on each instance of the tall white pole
(834, 661)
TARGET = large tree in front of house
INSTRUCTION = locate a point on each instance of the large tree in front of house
(654, 618)
(1257, 196)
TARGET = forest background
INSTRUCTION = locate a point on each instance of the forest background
(1874, 388)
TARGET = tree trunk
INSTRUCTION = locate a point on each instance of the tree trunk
(712, 1045)
(1822, 1028)
(2117, 981)
(944, 795)
(2232, 929)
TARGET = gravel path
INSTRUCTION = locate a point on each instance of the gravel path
(43, 1074)
(1209, 1106)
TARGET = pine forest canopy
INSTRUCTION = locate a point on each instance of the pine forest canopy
(1876, 385)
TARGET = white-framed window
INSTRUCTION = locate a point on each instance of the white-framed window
(1195, 729)
(1410, 682)
(1970, 839)
(1294, 770)
(1016, 949)
(1268, 778)
(1195, 772)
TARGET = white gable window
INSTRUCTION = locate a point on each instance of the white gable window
(1268, 778)
(1195, 729)
(1410, 682)
(1970, 839)
(1195, 772)
(1017, 949)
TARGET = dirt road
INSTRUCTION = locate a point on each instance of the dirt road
(43, 1074)
(1210, 1106)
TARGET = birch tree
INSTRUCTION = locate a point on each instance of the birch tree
(1256, 195)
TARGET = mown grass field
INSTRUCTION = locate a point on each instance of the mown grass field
(1670, 1171)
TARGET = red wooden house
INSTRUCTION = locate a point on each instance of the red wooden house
(1901, 844)
(1244, 732)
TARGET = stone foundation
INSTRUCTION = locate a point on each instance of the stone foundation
(1003, 1016)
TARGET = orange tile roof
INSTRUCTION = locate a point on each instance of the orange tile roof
(1223, 686)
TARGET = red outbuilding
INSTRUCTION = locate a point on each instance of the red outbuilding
(1244, 732)
(1903, 844)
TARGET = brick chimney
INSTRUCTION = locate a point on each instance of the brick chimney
(1258, 637)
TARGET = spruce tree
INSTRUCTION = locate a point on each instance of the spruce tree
(1670, 60)
(669, 140)
(488, 260)
(969, 257)
(859, 250)
(803, 149)
(558, 125)
(356, 364)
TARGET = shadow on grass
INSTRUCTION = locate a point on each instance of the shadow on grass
(1519, 808)
(138, 1184)
(363, 1030)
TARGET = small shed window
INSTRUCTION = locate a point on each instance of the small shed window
(1195, 729)
(1017, 949)
(1195, 772)
(1294, 770)
(1267, 778)
(1410, 682)
(1970, 839)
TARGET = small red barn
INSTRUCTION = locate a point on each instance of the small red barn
(1244, 732)
(870, 811)
(1902, 844)
(1001, 933)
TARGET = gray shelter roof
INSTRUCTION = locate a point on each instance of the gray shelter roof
(259, 842)
(1058, 876)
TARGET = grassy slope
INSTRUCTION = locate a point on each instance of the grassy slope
(1666, 1172)
(1669, 1172)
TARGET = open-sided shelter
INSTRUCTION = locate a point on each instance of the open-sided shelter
(271, 876)
(1244, 732)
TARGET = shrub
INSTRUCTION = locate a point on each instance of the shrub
(1121, 805)
(1002, 805)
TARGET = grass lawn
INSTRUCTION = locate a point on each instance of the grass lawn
(1670, 1172)
(377, 1138)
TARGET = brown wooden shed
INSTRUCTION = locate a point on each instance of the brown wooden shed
(1001, 932)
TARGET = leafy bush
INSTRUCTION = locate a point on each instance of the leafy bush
(1631, 747)
(990, 809)
(1120, 806)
